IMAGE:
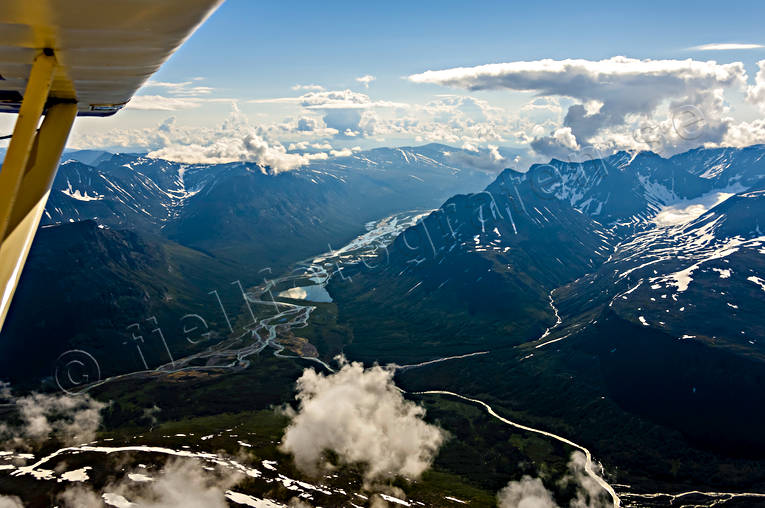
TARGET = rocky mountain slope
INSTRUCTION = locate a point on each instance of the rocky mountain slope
(619, 300)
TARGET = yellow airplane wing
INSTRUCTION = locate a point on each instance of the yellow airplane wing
(60, 59)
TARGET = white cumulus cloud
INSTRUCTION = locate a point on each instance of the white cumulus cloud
(531, 492)
(365, 80)
(527, 492)
(756, 93)
(362, 417)
(10, 502)
(69, 419)
(180, 483)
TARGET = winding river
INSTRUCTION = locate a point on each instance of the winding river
(233, 353)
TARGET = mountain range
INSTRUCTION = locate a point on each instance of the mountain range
(126, 238)
(619, 299)
(246, 212)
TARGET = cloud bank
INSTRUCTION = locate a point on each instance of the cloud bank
(361, 416)
(182, 95)
(726, 47)
(579, 106)
(234, 140)
(610, 93)
(247, 147)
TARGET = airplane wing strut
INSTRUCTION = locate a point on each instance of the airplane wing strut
(28, 171)
(65, 58)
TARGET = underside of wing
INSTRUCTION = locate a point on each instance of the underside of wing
(60, 59)
(105, 49)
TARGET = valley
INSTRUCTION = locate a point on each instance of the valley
(382, 254)
(530, 323)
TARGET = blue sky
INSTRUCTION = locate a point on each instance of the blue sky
(235, 77)
(264, 47)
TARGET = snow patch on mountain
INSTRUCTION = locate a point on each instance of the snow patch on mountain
(757, 280)
(80, 196)
(680, 211)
